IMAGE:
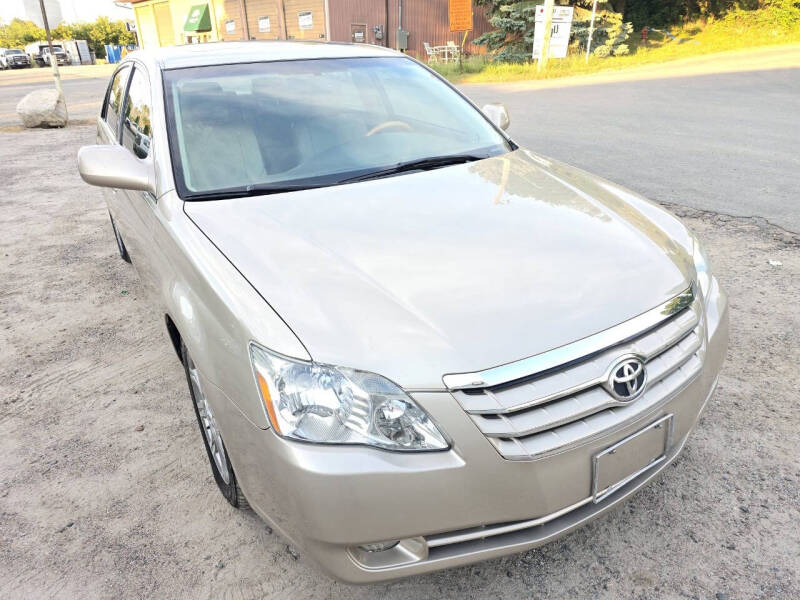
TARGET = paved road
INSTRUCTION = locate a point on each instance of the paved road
(83, 86)
(728, 143)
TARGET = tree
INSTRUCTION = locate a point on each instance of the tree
(19, 33)
(674, 12)
(512, 40)
(104, 31)
(610, 32)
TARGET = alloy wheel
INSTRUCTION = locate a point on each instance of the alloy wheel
(209, 424)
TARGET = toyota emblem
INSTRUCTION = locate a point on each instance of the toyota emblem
(627, 379)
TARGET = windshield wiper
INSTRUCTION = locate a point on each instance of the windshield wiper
(262, 189)
(421, 164)
(255, 189)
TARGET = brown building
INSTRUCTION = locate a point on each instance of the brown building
(424, 20)
(170, 22)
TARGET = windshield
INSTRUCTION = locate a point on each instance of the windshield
(13, 51)
(311, 123)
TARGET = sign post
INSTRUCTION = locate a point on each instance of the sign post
(547, 33)
(53, 58)
(591, 31)
(460, 13)
(556, 28)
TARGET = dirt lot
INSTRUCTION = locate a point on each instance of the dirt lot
(105, 490)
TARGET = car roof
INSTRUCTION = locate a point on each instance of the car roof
(222, 53)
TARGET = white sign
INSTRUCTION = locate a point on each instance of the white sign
(263, 24)
(559, 37)
(305, 20)
(230, 26)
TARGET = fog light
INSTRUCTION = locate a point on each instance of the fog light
(379, 546)
(386, 555)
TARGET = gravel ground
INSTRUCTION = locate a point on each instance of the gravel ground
(105, 490)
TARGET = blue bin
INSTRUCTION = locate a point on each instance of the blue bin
(113, 53)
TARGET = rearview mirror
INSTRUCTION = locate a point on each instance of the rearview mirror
(497, 114)
(114, 167)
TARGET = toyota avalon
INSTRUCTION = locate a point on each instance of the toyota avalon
(409, 342)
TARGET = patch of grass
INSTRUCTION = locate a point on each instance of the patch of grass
(739, 29)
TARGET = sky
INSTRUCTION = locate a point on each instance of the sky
(71, 10)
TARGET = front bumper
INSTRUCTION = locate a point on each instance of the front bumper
(452, 508)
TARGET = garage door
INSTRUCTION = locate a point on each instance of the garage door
(305, 19)
(166, 34)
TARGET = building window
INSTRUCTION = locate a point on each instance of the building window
(230, 26)
(263, 24)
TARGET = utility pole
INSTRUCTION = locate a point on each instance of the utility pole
(53, 59)
(282, 19)
(548, 31)
(245, 24)
(591, 32)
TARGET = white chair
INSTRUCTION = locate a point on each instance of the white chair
(453, 51)
(433, 53)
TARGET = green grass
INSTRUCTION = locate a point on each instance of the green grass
(737, 30)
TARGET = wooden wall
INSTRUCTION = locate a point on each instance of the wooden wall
(425, 20)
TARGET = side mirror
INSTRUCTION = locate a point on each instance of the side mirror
(497, 114)
(114, 167)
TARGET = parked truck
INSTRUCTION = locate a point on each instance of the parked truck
(40, 53)
(13, 58)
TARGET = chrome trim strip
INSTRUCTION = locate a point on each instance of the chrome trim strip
(482, 532)
(570, 352)
(680, 334)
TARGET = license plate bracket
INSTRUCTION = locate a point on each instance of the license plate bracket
(630, 457)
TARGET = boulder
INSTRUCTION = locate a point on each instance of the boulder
(43, 108)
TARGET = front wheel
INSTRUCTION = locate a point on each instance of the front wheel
(212, 438)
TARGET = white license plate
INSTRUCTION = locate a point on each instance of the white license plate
(630, 457)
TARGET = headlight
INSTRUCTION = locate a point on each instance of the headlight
(702, 267)
(333, 405)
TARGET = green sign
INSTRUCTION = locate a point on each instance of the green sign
(199, 19)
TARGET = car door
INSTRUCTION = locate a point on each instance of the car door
(139, 207)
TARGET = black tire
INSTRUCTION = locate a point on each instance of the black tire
(123, 251)
(226, 479)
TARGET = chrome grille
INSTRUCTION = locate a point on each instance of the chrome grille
(565, 407)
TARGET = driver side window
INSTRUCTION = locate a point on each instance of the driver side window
(113, 105)
(136, 127)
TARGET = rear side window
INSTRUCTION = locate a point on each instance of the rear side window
(136, 127)
(114, 100)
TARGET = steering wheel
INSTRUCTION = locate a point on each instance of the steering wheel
(380, 127)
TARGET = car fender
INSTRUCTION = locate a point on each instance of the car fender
(215, 309)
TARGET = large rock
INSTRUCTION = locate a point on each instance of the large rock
(43, 108)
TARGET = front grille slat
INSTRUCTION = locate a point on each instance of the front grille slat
(560, 410)
(545, 417)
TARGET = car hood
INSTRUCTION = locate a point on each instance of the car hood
(455, 269)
